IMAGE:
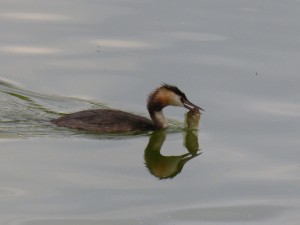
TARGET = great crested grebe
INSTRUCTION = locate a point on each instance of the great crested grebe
(110, 120)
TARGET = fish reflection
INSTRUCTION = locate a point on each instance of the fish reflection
(164, 167)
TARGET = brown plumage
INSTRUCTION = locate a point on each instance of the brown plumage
(105, 120)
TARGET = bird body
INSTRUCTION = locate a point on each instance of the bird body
(110, 120)
(105, 120)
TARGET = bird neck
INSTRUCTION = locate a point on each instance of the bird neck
(155, 105)
(158, 119)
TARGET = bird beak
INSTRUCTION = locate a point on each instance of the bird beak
(187, 104)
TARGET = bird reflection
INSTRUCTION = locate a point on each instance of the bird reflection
(164, 167)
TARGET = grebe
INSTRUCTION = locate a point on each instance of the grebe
(110, 120)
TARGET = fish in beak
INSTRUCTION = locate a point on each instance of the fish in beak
(187, 104)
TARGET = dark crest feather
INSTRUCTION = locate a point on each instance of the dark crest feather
(174, 89)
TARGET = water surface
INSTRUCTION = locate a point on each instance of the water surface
(236, 59)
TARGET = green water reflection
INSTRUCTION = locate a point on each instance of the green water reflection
(162, 166)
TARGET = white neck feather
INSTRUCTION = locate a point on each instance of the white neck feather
(159, 119)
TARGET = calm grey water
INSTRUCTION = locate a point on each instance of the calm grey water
(239, 60)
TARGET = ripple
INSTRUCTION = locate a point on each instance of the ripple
(234, 213)
(28, 50)
(249, 9)
(34, 16)
(79, 221)
(276, 108)
(200, 37)
(9, 191)
(25, 113)
(120, 43)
